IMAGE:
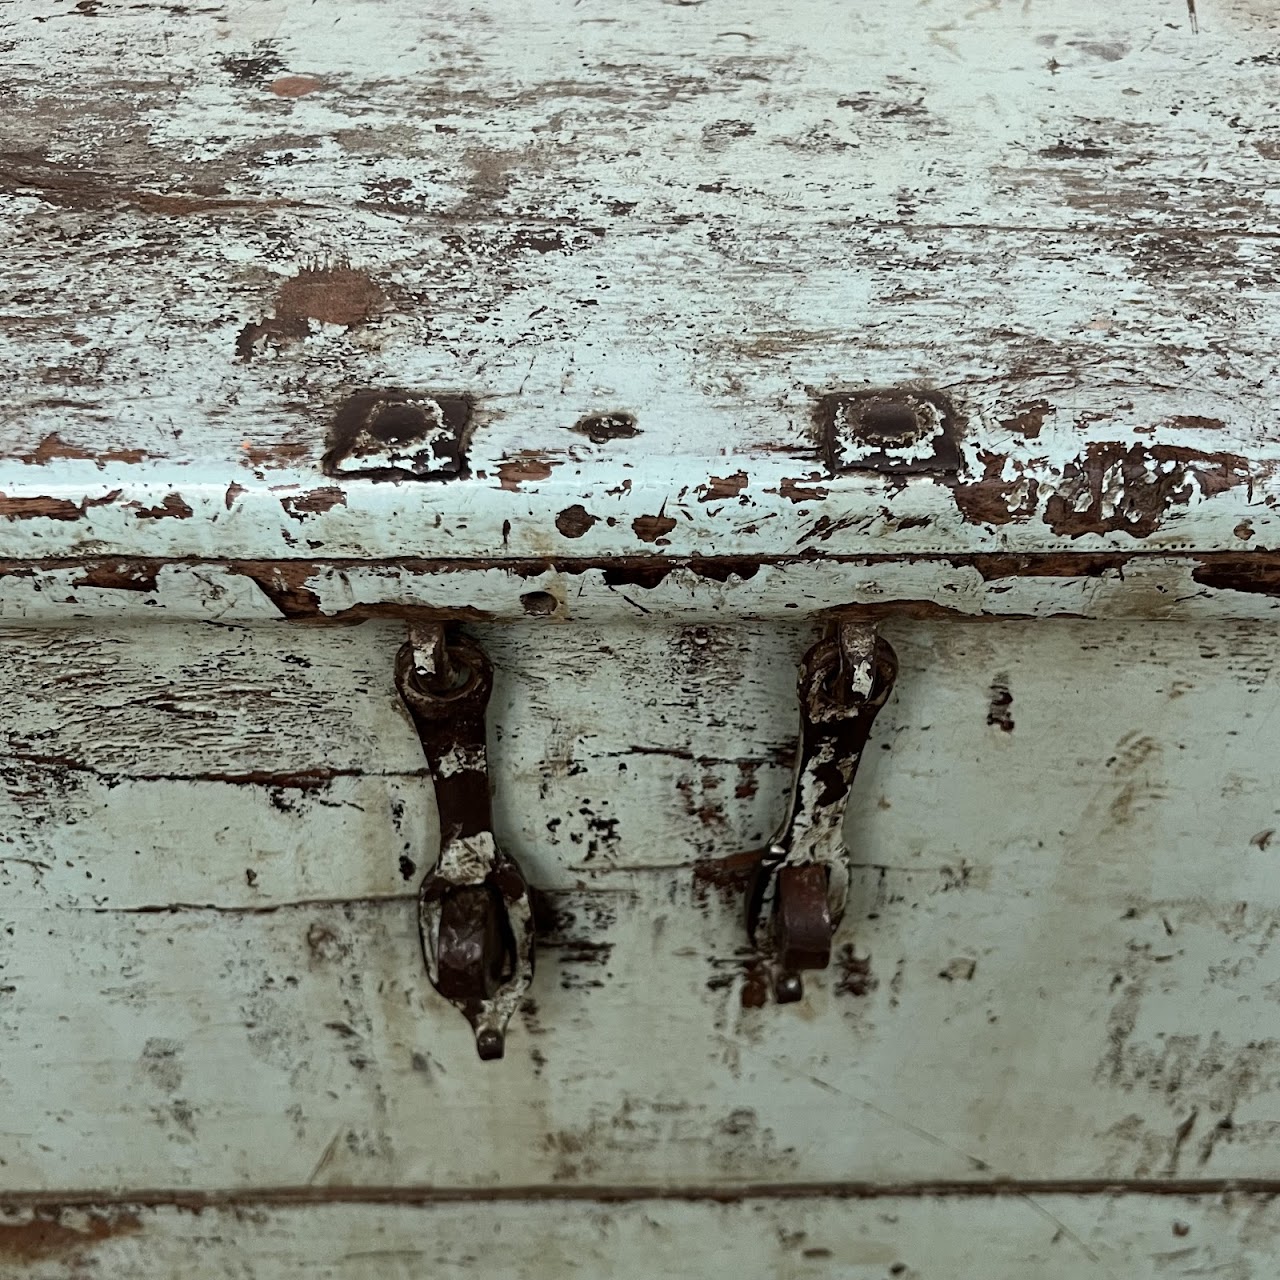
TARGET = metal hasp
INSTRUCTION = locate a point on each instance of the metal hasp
(799, 893)
(474, 910)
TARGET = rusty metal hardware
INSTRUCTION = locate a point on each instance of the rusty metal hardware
(799, 893)
(474, 910)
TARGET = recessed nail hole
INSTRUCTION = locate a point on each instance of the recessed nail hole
(883, 420)
(396, 423)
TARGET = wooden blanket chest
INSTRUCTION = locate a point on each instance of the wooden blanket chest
(639, 639)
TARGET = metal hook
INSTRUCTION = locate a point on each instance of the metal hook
(802, 883)
(475, 915)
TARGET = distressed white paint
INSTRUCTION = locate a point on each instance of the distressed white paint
(1021, 1024)
(700, 216)
(1157, 588)
(1063, 906)
(286, 752)
(1069, 925)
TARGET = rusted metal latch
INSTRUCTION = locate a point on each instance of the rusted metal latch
(474, 909)
(802, 883)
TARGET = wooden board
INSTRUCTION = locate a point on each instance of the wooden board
(147, 766)
(1218, 586)
(224, 222)
(1050, 1236)
(1062, 915)
(642, 260)
(1032, 1028)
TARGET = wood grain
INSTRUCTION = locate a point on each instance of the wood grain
(1054, 1237)
(148, 766)
(1022, 1022)
(698, 219)
(1056, 962)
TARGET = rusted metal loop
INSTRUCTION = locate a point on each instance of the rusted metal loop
(798, 894)
(478, 946)
(466, 678)
(473, 952)
(802, 921)
(842, 675)
(475, 914)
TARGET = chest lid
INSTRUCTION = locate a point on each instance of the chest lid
(540, 287)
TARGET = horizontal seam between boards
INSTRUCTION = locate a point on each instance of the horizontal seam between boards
(414, 1196)
(630, 559)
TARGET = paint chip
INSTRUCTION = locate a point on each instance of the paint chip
(295, 86)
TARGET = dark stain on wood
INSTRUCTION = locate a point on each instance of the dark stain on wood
(53, 447)
(539, 604)
(571, 929)
(644, 573)
(1113, 488)
(499, 245)
(281, 453)
(653, 528)
(1250, 571)
(39, 508)
(542, 240)
(795, 490)
(294, 86)
(853, 976)
(339, 295)
(325, 946)
(274, 331)
(755, 984)
(1028, 419)
(574, 521)
(233, 492)
(729, 879)
(314, 502)
(284, 583)
(722, 568)
(1195, 422)
(1000, 704)
(1064, 564)
(931, 609)
(699, 802)
(513, 471)
(721, 488)
(73, 186)
(119, 576)
(172, 507)
(988, 499)
(255, 65)
(46, 508)
(332, 295)
(166, 203)
(48, 1235)
(1082, 149)
(358, 613)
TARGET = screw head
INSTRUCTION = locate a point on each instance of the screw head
(789, 988)
(490, 1044)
